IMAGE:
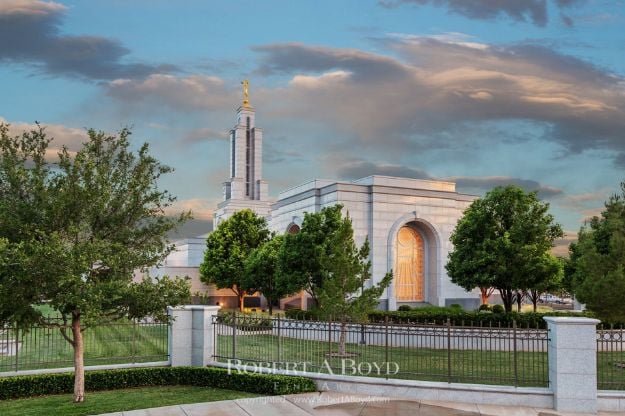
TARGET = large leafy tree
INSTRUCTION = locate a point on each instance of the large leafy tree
(597, 263)
(227, 249)
(501, 242)
(73, 233)
(300, 257)
(261, 271)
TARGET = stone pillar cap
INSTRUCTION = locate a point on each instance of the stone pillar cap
(571, 320)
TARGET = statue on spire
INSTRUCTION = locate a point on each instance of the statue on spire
(246, 101)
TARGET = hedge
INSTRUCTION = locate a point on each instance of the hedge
(439, 315)
(45, 384)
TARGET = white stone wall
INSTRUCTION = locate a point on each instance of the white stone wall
(378, 206)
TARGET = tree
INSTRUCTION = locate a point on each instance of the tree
(547, 277)
(342, 272)
(73, 234)
(261, 271)
(227, 249)
(501, 242)
(597, 262)
(300, 257)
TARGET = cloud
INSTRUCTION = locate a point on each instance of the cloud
(443, 85)
(30, 34)
(357, 169)
(61, 135)
(182, 93)
(486, 183)
(277, 154)
(204, 134)
(201, 208)
(534, 11)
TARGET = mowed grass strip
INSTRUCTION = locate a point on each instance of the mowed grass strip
(117, 343)
(117, 401)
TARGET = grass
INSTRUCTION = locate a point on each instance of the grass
(117, 343)
(115, 401)
(539, 308)
(467, 366)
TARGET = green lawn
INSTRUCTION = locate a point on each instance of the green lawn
(118, 343)
(117, 400)
(467, 366)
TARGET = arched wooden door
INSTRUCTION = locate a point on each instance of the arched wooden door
(409, 266)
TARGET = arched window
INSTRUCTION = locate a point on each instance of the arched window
(293, 229)
(409, 269)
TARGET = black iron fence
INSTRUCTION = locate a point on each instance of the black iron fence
(444, 351)
(43, 346)
(610, 357)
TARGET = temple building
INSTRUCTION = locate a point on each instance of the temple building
(408, 223)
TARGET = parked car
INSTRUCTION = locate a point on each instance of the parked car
(549, 298)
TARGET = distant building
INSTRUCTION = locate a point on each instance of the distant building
(408, 223)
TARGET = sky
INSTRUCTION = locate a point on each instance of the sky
(480, 92)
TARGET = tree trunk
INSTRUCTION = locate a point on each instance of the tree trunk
(519, 298)
(484, 295)
(241, 304)
(79, 365)
(270, 308)
(342, 339)
(507, 297)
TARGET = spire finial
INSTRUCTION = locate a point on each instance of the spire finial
(246, 101)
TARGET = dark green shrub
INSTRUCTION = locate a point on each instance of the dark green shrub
(45, 384)
(310, 315)
(404, 308)
(485, 307)
(246, 322)
(440, 317)
(498, 309)
(456, 306)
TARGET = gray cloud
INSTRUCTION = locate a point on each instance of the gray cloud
(534, 11)
(296, 56)
(30, 33)
(277, 154)
(357, 169)
(203, 134)
(486, 183)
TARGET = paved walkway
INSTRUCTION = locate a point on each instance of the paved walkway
(340, 404)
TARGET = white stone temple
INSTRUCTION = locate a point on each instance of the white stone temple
(408, 223)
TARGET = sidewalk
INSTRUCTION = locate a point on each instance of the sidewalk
(335, 404)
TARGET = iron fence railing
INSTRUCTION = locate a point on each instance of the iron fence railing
(610, 357)
(507, 355)
(121, 342)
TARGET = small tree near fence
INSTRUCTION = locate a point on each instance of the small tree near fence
(345, 270)
(73, 233)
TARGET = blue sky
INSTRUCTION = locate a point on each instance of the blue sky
(481, 92)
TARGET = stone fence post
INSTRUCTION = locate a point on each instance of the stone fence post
(191, 335)
(573, 363)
